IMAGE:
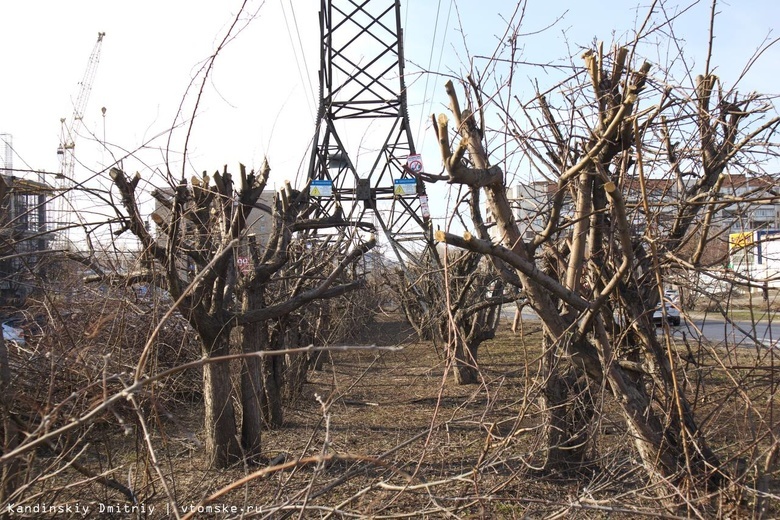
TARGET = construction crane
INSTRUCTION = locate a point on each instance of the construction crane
(69, 130)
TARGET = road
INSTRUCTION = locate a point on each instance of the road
(714, 329)
(734, 333)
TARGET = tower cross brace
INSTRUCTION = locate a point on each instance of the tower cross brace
(374, 182)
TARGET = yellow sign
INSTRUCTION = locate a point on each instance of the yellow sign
(740, 240)
(321, 188)
(405, 187)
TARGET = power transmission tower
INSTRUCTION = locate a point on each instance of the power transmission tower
(363, 165)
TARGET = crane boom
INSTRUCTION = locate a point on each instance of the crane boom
(69, 130)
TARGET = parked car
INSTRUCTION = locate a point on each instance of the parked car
(672, 295)
(672, 314)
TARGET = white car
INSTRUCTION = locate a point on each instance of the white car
(672, 295)
(672, 315)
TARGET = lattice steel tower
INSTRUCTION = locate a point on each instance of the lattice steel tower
(67, 207)
(363, 164)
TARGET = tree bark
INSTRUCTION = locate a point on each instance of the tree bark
(254, 338)
(271, 398)
(222, 447)
(272, 384)
(567, 409)
(466, 368)
(251, 417)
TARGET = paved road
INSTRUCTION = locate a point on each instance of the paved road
(714, 329)
(743, 333)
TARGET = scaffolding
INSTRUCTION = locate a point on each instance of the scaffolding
(24, 235)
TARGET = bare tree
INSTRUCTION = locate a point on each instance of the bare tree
(458, 304)
(457, 296)
(596, 269)
(204, 229)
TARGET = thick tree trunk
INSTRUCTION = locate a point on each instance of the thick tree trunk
(222, 447)
(568, 411)
(254, 337)
(465, 366)
(295, 374)
(663, 462)
(271, 397)
(251, 418)
(299, 334)
(256, 389)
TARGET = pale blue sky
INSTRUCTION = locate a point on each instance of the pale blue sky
(257, 101)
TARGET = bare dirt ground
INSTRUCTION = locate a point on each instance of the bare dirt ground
(384, 433)
(399, 439)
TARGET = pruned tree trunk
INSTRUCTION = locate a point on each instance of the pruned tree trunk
(261, 380)
(205, 228)
(299, 333)
(254, 339)
(252, 411)
(272, 377)
(222, 448)
(596, 261)
(475, 325)
(567, 411)
(465, 361)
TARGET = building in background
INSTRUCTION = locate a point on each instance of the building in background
(259, 222)
(756, 256)
(531, 205)
(24, 235)
(745, 230)
(756, 203)
(750, 204)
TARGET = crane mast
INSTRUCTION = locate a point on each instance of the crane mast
(65, 212)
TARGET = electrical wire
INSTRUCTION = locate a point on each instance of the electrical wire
(304, 77)
(426, 102)
(303, 54)
(427, 76)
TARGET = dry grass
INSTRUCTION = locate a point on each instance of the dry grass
(386, 434)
